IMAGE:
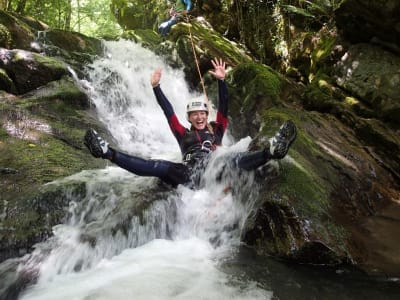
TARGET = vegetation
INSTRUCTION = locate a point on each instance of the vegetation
(92, 18)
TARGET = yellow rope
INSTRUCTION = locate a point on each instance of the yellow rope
(196, 60)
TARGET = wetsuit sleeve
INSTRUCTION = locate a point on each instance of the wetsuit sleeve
(176, 127)
(222, 113)
(188, 4)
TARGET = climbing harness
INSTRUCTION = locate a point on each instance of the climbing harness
(195, 59)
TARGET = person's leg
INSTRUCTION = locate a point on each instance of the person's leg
(251, 160)
(278, 149)
(169, 172)
(165, 27)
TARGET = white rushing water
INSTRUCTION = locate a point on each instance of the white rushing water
(159, 258)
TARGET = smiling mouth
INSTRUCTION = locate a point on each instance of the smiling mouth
(200, 123)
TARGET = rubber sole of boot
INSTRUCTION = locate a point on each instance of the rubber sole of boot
(92, 143)
(285, 137)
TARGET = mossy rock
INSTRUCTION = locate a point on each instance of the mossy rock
(74, 42)
(6, 82)
(29, 218)
(64, 90)
(207, 42)
(44, 138)
(5, 37)
(30, 70)
(146, 37)
(136, 14)
(33, 23)
(20, 34)
(298, 200)
(253, 88)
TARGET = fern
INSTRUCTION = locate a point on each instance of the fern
(297, 10)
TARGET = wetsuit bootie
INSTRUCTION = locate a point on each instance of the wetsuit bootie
(282, 140)
(96, 145)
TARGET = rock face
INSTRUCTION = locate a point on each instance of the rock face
(42, 111)
(372, 75)
(335, 198)
(29, 70)
(370, 21)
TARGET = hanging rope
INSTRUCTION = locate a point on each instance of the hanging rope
(195, 58)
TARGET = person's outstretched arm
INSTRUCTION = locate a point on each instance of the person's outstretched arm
(176, 127)
(219, 73)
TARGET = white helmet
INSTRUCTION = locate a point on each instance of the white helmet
(196, 104)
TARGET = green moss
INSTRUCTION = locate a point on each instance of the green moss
(6, 82)
(146, 37)
(257, 82)
(61, 96)
(321, 54)
(74, 42)
(305, 186)
(312, 198)
(44, 157)
(49, 62)
(208, 42)
(5, 37)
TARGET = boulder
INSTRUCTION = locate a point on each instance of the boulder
(30, 70)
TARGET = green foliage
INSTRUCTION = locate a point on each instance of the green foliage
(313, 9)
(297, 10)
(95, 19)
(5, 36)
(92, 18)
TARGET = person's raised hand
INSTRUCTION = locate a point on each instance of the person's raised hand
(219, 68)
(155, 77)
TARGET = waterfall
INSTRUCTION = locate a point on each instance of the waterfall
(174, 248)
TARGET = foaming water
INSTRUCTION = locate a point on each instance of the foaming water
(161, 269)
(172, 249)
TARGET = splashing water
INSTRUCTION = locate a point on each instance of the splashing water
(173, 249)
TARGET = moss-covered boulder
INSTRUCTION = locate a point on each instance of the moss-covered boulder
(30, 70)
(29, 220)
(6, 82)
(148, 38)
(372, 75)
(5, 37)
(253, 88)
(362, 21)
(18, 34)
(136, 14)
(41, 140)
(73, 42)
(330, 177)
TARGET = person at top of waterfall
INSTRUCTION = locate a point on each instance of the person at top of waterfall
(179, 9)
(197, 142)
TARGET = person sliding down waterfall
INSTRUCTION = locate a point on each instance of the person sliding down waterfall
(177, 11)
(196, 143)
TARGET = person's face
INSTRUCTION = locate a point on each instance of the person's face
(198, 119)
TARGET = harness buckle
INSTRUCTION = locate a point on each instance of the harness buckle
(206, 146)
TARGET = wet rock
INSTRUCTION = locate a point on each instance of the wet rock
(30, 70)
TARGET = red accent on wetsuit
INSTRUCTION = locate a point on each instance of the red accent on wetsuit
(184, 135)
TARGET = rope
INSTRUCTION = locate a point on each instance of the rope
(195, 59)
